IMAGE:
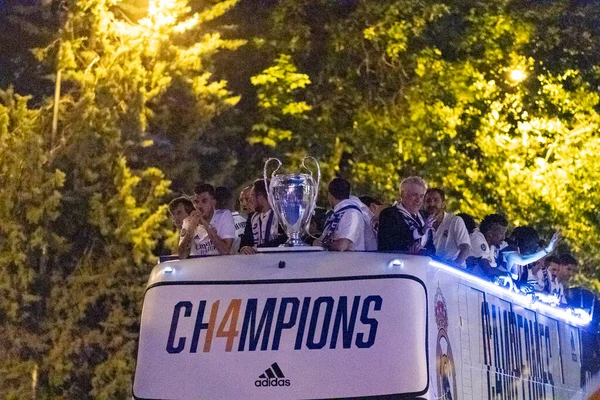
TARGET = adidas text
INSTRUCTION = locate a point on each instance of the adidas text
(271, 382)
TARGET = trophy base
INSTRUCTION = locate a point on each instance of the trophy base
(287, 249)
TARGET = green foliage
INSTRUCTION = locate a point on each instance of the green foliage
(429, 88)
(83, 210)
(276, 88)
(495, 143)
(29, 205)
(376, 90)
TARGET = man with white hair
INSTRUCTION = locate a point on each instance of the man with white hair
(402, 227)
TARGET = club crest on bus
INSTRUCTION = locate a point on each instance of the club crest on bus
(446, 375)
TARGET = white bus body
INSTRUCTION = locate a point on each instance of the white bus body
(343, 325)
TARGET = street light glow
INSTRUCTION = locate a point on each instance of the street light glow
(517, 75)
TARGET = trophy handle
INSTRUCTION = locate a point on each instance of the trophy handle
(266, 180)
(311, 174)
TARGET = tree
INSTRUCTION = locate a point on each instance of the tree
(103, 213)
(29, 205)
(491, 100)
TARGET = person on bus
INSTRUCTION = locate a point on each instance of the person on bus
(403, 227)
(317, 223)
(521, 254)
(346, 229)
(451, 238)
(226, 201)
(206, 231)
(469, 221)
(485, 245)
(262, 228)
(179, 209)
(568, 268)
(246, 204)
(375, 206)
(549, 288)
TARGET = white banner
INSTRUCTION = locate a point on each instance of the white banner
(303, 338)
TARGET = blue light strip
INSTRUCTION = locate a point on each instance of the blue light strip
(526, 301)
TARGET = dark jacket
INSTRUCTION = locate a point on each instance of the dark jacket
(394, 234)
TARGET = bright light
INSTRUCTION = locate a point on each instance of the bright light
(517, 75)
(575, 317)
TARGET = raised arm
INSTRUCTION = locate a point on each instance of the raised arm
(187, 234)
(515, 258)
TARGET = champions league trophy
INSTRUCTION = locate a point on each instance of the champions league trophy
(293, 198)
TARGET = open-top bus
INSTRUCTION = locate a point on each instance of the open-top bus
(351, 325)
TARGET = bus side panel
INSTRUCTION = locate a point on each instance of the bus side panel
(570, 344)
(565, 383)
(476, 357)
(445, 347)
(483, 346)
(489, 356)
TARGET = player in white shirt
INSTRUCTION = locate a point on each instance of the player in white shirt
(225, 201)
(368, 218)
(345, 228)
(451, 238)
(485, 243)
(206, 231)
(262, 228)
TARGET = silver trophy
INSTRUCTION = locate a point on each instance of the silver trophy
(293, 198)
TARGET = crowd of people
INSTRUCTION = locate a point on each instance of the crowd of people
(417, 223)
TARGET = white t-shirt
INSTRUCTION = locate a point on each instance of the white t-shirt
(368, 218)
(351, 226)
(201, 245)
(481, 249)
(451, 233)
(239, 222)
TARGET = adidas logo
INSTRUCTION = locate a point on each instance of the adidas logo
(273, 376)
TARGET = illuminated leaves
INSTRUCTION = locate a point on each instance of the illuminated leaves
(82, 211)
(276, 91)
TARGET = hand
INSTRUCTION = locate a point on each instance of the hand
(317, 242)
(203, 221)
(553, 242)
(504, 280)
(526, 288)
(194, 219)
(247, 250)
(429, 223)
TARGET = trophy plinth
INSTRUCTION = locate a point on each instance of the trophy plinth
(293, 198)
(284, 249)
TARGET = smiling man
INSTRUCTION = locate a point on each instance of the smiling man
(451, 238)
(402, 227)
(206, 231)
